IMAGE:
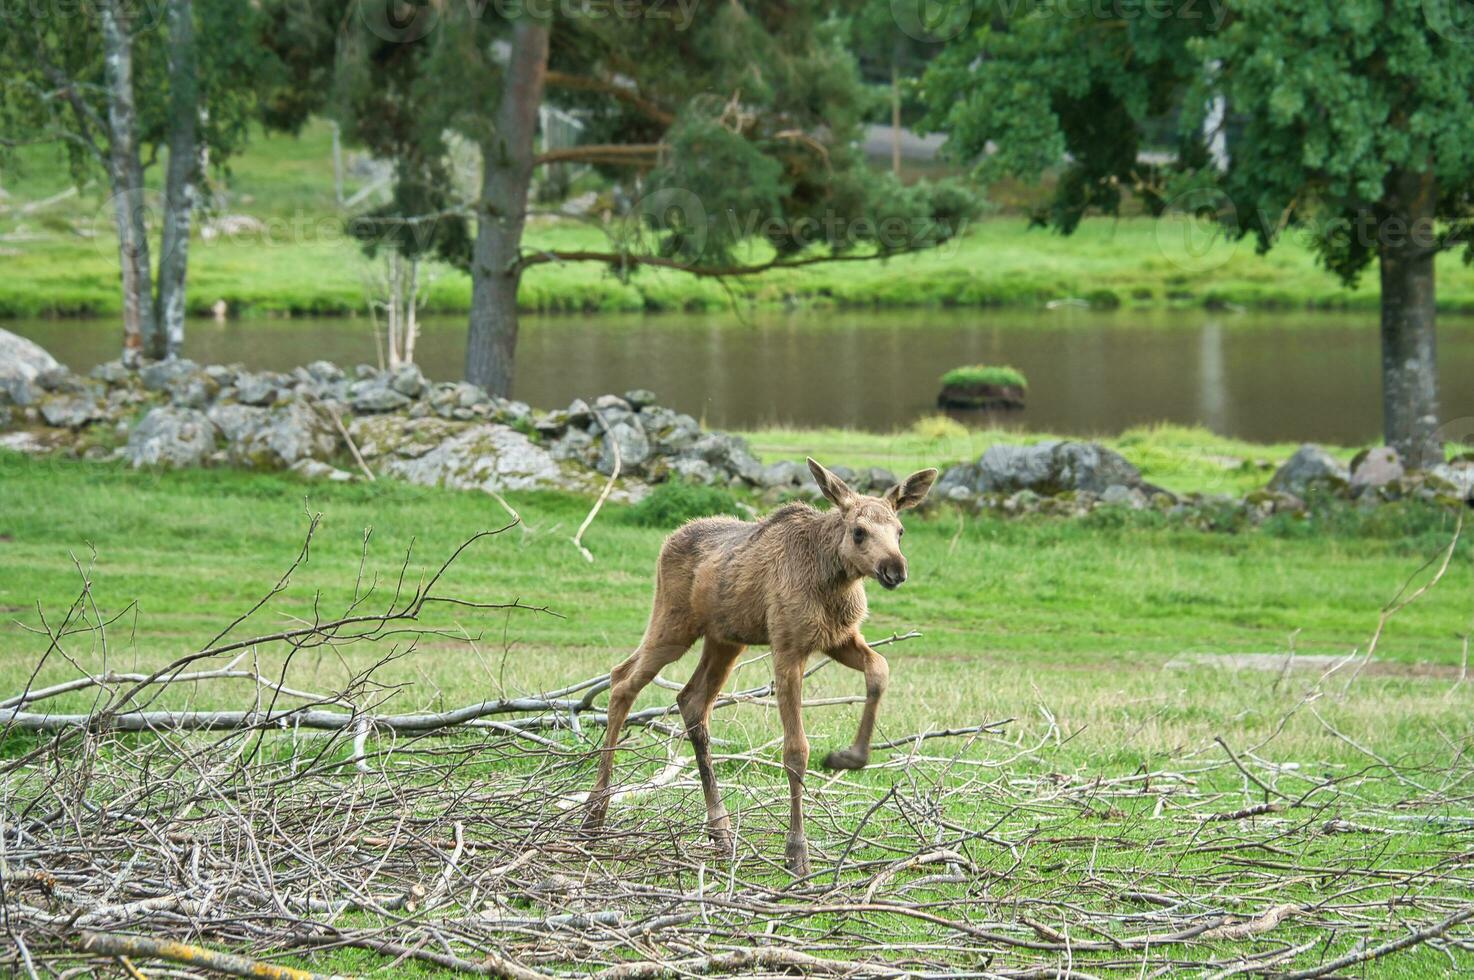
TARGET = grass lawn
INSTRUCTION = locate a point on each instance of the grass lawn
(1116, 646)
(300, 262)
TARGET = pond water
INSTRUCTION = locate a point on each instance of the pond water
(1280, 377)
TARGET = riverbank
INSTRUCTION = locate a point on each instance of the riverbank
(276, 246)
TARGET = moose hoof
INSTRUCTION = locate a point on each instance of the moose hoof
(722, 838)
(796, 856)
(845, 759)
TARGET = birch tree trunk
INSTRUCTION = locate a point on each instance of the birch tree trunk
(506, 173)
(180, 182)
(125, 176)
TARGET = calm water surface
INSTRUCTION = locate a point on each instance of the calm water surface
(1264, 377)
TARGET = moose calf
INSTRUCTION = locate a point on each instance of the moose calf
(793, 580)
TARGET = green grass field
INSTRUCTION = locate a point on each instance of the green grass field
(300, 262)
(1115, 646)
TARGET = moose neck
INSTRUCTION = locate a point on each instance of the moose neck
(833, 574)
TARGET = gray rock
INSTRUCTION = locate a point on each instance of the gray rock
(371, 395)
(236, 422)
(59, 379)
(744, 466)
(640, 397)
(111, 373)
(1459, 476)
(1047, 468)
(1310, 468)
(579, 412)
(255, 389)
(194, 391)
(575, 445)
(69, 411)
(171, 437)
(20, 361)
(284, 436)
(160, 374)
(634, 447)
(1376, 468)
(408, 381)
(509, 411)
(693, 469)
(1117, 495)
(878, 479)
(486, 456)
(784, 473)
(312, 469)
(606, 402)
(325, 371)
(552, 424)
(959, 494)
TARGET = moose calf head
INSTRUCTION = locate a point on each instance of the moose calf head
(872, 525)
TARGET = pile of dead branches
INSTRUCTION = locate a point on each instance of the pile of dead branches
(143, 839)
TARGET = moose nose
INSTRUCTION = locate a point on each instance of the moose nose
(891, 572)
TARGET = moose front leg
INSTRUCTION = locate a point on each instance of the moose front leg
(857, 655)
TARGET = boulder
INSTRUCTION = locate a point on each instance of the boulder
(1311, 468)
(1459, 476)
(634, 447)
(72, 411)
(484, 456)
(638, 398)
(1047, 468)
(604, 403)
(784, 473)
(20, 361)
(692, 469)
(408, 381)
(877, 479)
(1375, 468)
(255, 389)
(283, 436)
(374, 395)
(159, 375)
(172, 437)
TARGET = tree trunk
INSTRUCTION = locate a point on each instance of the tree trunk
(180, 181)
(1409, 376)
(506, 173)
(895, 119)
(125, 176)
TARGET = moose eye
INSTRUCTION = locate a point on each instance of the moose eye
(859, 535)
(900, 532)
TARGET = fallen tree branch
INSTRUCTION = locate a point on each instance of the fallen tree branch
(142, 947)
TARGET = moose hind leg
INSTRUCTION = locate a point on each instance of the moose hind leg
(788, 680)
(626, 681)
(695, 701)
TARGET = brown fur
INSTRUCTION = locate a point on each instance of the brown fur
(793, 581)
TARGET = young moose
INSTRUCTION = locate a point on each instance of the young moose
(794, 581)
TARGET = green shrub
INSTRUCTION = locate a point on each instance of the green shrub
(984, 374)
(673, 503)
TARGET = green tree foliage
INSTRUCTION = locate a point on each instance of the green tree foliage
(120, 84)
(1351, 123)
(720, 124)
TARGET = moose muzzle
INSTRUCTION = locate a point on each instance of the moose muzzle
(891, 572)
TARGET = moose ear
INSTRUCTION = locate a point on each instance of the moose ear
(912, 490)
(831, 486)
